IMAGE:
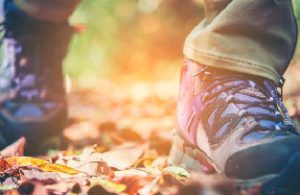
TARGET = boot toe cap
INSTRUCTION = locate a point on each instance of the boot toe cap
(263, 159)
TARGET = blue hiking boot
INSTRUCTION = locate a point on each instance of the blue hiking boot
(232, 123)
(32, 95)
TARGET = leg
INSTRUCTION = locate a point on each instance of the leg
(230, 113)
(32, 95)
(256, 37)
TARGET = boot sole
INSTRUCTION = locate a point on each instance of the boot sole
(195, 160)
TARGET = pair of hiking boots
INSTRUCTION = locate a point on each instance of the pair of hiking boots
(228, 122)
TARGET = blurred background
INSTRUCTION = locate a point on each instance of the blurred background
(126, 39)
(131, 39)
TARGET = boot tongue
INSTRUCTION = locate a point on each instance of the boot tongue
(252, 99)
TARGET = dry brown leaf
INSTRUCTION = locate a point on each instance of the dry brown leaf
(98, 189)
(84, 164)
(4, 165)
(130, 172)
(121, 157)
(93, 168)
(135, 183)
(149, 188)
(38, 175)
(61, 188)
(15, 149)
(161, 141)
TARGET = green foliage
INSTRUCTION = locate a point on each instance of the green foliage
(129, 36)
(296, 4)
(90, 51)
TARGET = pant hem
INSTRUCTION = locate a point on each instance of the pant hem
(232, 64)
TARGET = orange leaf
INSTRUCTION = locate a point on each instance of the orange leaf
(25, 161)
(4, 165)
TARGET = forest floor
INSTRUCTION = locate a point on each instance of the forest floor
(119, 136)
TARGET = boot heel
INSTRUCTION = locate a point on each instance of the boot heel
(188, 157)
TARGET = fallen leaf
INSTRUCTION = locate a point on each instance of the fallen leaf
(50, 167)
(4, 165)
(7, 187)
(148, 189)
(25, 161)
(168, 179)
(91, 168)
(178, 171)
(121, 157)
(136, 182)
(15, 149)
(130, 172)
(84, 164)
(108, 185)
(160, 141)
(38, 175)
(98, 189)
(60, 188)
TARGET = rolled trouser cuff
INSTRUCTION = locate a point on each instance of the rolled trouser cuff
(256, 37)
(229, 63)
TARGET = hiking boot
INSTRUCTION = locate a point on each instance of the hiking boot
(32, 96)
(232, 123)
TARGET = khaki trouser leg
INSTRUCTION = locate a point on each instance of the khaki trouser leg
(50, 10)
(256, 37)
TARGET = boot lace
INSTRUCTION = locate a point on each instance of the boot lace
(260, 101)
(28, 79)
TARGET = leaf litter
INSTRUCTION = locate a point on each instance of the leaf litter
(118, 144)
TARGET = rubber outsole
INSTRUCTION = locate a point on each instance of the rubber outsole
(195, 160)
